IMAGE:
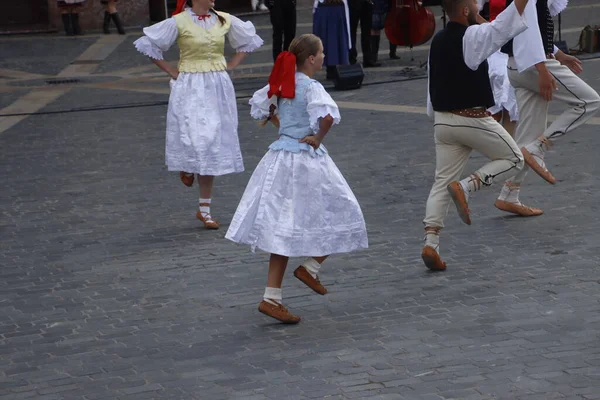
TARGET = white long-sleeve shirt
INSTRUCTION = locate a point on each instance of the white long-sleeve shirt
(481, 41)
(528, 48)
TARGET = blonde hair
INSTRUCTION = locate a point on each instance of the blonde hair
(305, 46)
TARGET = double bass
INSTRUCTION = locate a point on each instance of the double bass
(408, 23)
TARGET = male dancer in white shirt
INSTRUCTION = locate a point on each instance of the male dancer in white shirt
(458, 97)
(540, 72)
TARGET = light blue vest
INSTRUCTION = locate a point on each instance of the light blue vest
(294, 122)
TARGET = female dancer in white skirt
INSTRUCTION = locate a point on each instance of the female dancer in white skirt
(202, 118)
(297, 203)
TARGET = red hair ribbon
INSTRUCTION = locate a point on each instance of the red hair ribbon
(496, 7)
(282, 81)
(180, 6)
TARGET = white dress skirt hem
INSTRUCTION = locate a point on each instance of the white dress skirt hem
(298, 205)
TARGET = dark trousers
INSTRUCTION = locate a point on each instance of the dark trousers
(283, 19)
(360, 11)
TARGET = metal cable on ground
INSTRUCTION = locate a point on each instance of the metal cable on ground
(163, 103)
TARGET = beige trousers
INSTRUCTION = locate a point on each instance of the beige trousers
(584, 102)
(455, 138)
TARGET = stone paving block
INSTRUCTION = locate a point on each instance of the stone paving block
(109, 285)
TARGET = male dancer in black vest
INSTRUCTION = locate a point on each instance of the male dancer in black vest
(460, 93)
(540, 72)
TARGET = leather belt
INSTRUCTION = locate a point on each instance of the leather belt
(472, 112)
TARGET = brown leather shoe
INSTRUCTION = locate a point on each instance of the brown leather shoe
(209, 223)
(458, 195)
(432, 259)
(519, 209)
(302, 273)
(279, 312)
(530, 159)
(188, 180)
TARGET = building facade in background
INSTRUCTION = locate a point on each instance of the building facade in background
(38, 16)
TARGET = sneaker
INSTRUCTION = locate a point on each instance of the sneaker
(279, 312)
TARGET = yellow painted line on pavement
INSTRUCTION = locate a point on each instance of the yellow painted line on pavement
(39, 98)
(15, 74)
(94, 55)
(31, 102)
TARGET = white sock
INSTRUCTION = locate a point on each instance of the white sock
(471, 184)
(204, 210)
(272, 294)
(312, 266)
(539, 146)
(432, 239)
(510, 193)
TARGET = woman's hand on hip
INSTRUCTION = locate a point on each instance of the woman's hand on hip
(311, 140)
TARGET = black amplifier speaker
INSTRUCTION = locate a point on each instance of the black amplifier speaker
(348, 77)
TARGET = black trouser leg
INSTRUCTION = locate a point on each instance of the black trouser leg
(75, 21)
(354, 18)
(277, 21)
(366, 14)
(375, 39)
(66, 19)
(289, 16)
(393, 54)
(118, 23)
(106, 24)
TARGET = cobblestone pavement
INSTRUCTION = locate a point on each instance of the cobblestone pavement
(109, 288)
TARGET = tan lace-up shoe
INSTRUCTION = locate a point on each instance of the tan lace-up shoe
(279, 312)
(187, 179)
(531, 159)
(314, 283)
(207, 219)
(432, 259)
(460, 200)
(519, 209)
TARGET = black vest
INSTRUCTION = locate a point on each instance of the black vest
(453, 85)
(545, 24)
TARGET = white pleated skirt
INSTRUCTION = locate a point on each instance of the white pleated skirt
(298, 205)
(202, 123)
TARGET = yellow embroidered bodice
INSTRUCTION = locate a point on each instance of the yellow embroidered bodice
(200, 49)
